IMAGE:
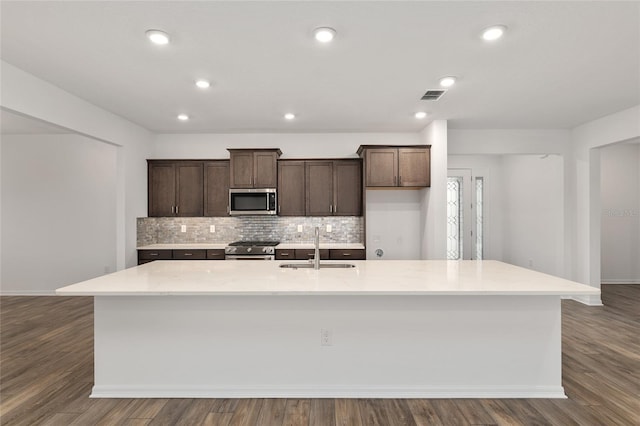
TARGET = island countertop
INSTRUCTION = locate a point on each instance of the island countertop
(369, 277)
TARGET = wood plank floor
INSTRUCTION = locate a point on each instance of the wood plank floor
(46, 374)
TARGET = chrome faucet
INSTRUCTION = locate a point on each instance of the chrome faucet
(316, 251)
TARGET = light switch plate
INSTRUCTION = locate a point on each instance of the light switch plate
(183, 228)
(328, 228)
(299, 228)
(212, 228)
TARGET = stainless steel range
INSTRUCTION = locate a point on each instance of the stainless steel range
(251, 250)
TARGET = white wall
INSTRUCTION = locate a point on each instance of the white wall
(583, 192)
(58, 211)
(620, 233)
(434, 200)
(508, 141)
(28, 95)
(533, 227)
(292, 145)
(393, 217)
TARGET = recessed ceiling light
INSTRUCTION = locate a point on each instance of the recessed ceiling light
(289, 116)
(158, 37)
(493, 32)
(420, 115)
(447, 81)
(203, 84)
(324, 34)
(183, 117)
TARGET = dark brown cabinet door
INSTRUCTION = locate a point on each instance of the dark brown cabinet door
(413, 167)
(175, 188)
(291, 188)
(190, 189)
(216, 188)
(319, 188)
(346, 254)
(241, 175)
(305, 254)
(146, 256)
(285, 254)
(265, 169)
(347, 188)
(397, 166)
(198, 254)
(382, 167)
(254, 168)
(161, 189)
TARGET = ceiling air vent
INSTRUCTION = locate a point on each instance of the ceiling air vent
(433, 95)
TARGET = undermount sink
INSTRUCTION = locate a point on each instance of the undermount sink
(322, 265)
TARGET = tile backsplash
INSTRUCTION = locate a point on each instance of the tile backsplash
(166, 230)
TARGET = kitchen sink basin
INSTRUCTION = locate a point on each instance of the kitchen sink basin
(322, 265)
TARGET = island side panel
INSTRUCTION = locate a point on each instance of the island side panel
(381, 346)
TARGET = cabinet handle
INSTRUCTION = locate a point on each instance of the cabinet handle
(284, 254)
(346, 254)
(188, 254)
(172, 209)
(279, 208)
(153, 254)
(330, 208)
(176, 209)
(335, 208)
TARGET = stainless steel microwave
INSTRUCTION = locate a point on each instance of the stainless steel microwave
(252, 201)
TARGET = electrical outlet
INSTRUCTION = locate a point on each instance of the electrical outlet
(183, 228)
(212, 228)
(328, 228)
(299, 228)
(325, 337)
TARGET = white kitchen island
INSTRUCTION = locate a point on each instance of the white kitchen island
(400, 329)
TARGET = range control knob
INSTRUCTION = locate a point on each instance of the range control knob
(249, 250)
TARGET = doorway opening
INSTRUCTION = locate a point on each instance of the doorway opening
(465, 199)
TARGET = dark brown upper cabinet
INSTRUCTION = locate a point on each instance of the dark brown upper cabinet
(175, 188)
(333, 188)
(396, 166)
(254, 168)
(319, 188)
(216, 188)
(291, 188)
(347, 188)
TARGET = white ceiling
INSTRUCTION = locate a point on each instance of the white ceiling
(561, 63)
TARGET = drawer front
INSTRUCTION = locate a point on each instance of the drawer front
(215, 254)
(304, 254)
(285, 254)
(347, 254)
(154, 254)
(190, 254)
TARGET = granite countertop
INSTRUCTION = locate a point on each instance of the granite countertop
(341, 246)
(183, 246)
(369, 277)
(210, 246)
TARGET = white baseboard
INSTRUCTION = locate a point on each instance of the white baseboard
(27, 293)
(328, 392)
(590, 300)
(617, 281)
